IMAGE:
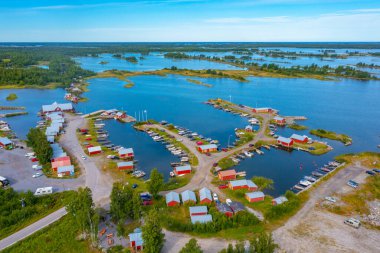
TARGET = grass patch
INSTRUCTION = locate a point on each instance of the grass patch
(178, 182)
(298, 127)
(318, 147)
(14, 217)
(14, 114)
(60, 236)
(226, 163)
(345, 139)
(11, 97)
(197, 82)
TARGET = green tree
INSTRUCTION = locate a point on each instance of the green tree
(136, 205)
(81, 208)
(156, 182)
(239, 248)
(152, 233)
(263, 183)
(121, 202)
(36, 139)
(191, 247)
(263, 243)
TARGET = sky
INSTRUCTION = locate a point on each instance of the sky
(189, 20)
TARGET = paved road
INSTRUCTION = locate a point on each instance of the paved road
(22, 234)
(100, 183)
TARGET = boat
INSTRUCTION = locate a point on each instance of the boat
(172, 174)
(175, 164)
(304, 183)
(138, 173)
(310, 179)
(248, 154)
(235, 160)
(325, 169)
(241, 173)
(266, 146)
(258, 151)
(298, 187)
(241, 156)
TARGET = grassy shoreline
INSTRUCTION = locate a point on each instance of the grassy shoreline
(345, 139)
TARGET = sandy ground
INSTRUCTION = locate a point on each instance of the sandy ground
(174, 242)
(314, 229)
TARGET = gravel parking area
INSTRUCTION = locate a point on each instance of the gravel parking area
(314, 229)
(18, 170)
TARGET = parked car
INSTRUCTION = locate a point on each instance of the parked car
(83, 157)
(352, 183)
(370, 172)
(376, 170)
(228, 201)
(331, 199)
(134, 186)
(352, 222)
(215, 197)
(35, 175)
(37, 167)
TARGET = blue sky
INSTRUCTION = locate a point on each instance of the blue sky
(189, 20)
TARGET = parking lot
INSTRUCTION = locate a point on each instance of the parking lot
(17, 168)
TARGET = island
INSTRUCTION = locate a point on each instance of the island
(345, 139)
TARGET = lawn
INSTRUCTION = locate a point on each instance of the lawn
(319, 147)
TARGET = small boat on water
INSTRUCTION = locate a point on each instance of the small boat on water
(241, 156)
(175, 164)
(258, 151)
(267, 147)
(235, 160)
(138, 173)
(325, 169)
(172, 174)
(298, 187)
(304, 183)
(316, 174)
(241, 173)
(248, 154)
(310, 179)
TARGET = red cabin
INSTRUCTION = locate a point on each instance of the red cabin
(94, 150)
(279, 121)
(227, 175)
(299, 138)
(254, 196)
(286, 142)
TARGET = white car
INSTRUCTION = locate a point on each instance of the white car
(215, 196)
(228, 201)
(37, 167)
(83, 157)
(331, 199)
(35, 175)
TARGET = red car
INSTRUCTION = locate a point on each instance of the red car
(223, 186)
(88, 139)
(224, 149)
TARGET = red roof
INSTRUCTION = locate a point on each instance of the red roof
(227, 173)
(63, 158)
(57, 164)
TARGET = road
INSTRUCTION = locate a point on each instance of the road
(99, 182)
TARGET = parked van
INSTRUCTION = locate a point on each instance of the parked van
(37, 167)
(353, 222)
(43, 191)
(30, 154)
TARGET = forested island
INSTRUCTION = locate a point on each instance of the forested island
(22, 66)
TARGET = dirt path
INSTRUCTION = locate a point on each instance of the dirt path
(313, 229)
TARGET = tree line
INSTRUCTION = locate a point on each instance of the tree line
(36, 139)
